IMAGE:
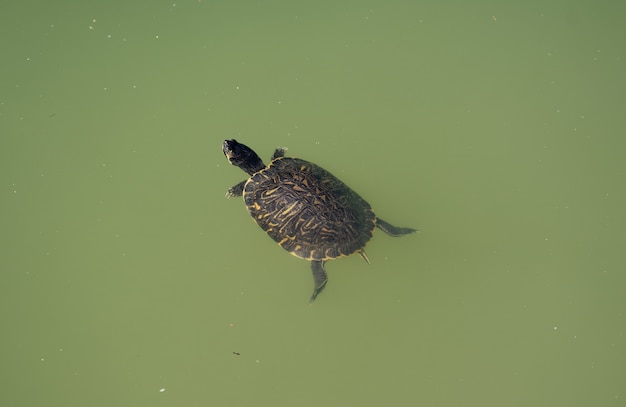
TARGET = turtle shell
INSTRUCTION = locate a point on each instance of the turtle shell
(308, 211)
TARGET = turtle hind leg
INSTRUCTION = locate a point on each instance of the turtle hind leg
(393, 230)
(319, 277)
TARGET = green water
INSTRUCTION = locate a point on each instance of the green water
(127, 279)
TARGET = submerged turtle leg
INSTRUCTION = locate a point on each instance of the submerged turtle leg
(393, 230)
(236, 190)
(279, 152)
(319, 277)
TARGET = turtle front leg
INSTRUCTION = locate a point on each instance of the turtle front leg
(236, 190)
(319, 277)
(279, 152)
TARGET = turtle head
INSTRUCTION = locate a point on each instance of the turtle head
(242, 156)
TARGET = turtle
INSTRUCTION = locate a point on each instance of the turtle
(308, 211)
